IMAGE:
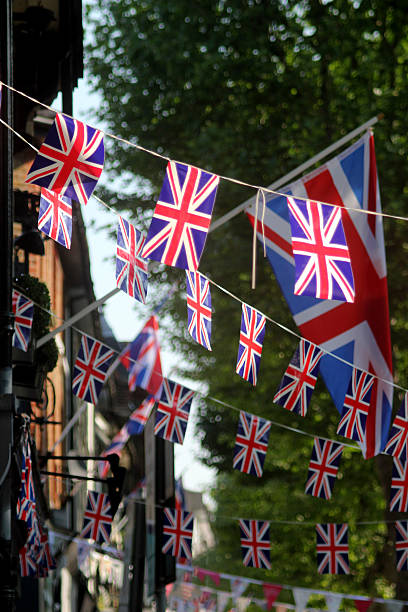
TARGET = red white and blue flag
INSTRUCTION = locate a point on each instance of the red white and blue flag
(401, 545)
(323, 468)
(251, 338)
(90, 369)
(356, 406)
(299, 380)
(399, 486)
(357, 332)
(23, 310)
(199, 308)
(182, 216)
(251, 444)
(28, 563)
(255, 543)
(177, 533)
(332, 548)
(131, 267)
(179, 496)
(55, 217)
(70, 160)
(398, 437)
(172, 412)
(97, 523)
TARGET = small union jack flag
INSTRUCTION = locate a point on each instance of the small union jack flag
(251, 444)
(177, 533)
(398, 437)
(131, 267)
(90, 369)
(70, 160)
(173, 410)
(182, 216)
(179, 496)
(142, 359)
(255, 543)
(401, 545)
(332, 548)
(28, 564)
(250, 343)
(356, 406)
(55, 217)
(322, 259)
(23, 310)
(399, 486)
(323, 468)
(299, 380)
(199, 308)
(97, 518)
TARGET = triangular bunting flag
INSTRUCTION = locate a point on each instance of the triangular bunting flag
(238, 586)
(362, 605)
(271, 592)
(222, 600)
(394, 606)
(333, 601)
(301, 597)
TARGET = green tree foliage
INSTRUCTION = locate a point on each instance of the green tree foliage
(250, 89)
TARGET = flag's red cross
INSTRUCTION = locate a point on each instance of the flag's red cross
(58, 206)
(201, 311)
(304, 378)
(251, 444)
(97, 516)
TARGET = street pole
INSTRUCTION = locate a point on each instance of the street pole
(8, 575)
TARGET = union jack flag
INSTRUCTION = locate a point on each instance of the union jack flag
(23, 310)
(401, 545)
(323, 468)
(142, 359)
(332, 548)
(28, 564)
(177, 533)
(398, 438)
(199, 308)
(250, 343)
(251, 444)
(255, 543)
(356, 406)
(97, 518)
(131, 267)
(179, 497)
(173, 410)
(299, 380)
(182, 216)
(399, 486)
(55, 217)
(70, 160)
(90, 369)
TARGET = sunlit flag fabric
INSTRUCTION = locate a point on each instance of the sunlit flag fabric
(131, 267)
(199, 308)
(177, 533)
(55, 217)
(398, 437)
(90, 369)
(353, 420)
(172, 412)
(251, 444)
(255, 543)
(332, 548)
(23, 310)
(70, 160)
(399, 486)
(323, 468)
(401, 545)
(97, 523)
(251, 338)
(182, 216)
(357, 332)
(299, 380)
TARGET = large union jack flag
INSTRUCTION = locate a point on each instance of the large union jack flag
(97, 518)
(398, 438)
(299, 380)
(172, 412)
(23, 310)
(323, 468)
(401, 545)
(182, 216)
(251, 444)
(70, 160)
(332, 548)
(255, 543)
(357, 332)
(177, 533)
(251, 338)
(399, 486)
(131, 267)
(356, 406)
(90, 369)
(199, 308)
(55, 217)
